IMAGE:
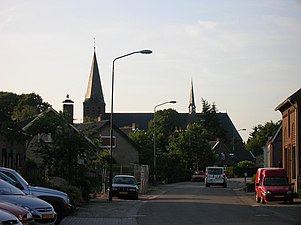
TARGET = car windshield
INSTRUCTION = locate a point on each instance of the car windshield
(275, 181)
(215, 171)
(6, 178)
(124, 180)
(8, 189)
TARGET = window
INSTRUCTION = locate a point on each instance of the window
(294, 163)
(289, 123)
(105, 142)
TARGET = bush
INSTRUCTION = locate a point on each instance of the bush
(63, 185)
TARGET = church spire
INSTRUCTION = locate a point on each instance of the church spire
(94, 104)
(191, 106)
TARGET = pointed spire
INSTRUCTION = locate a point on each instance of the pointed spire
(191, 106)
(94, 104)
(94, 90)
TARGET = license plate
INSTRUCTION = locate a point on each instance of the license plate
(279, 196)
(47, 216)
(123, 192)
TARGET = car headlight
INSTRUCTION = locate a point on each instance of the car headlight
(289, 192)
(114, 189)
(268, 192)
(27, 216)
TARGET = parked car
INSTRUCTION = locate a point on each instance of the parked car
(125, 186)
(8, 218)
(198, 176)
(271, 184)
(42, 212)
(22, 214)
(7, 179)
(215, 176)
(58, 199)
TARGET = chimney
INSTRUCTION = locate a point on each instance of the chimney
(68, 109)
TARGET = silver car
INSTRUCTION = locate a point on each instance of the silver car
(8, 218)
(42, 212)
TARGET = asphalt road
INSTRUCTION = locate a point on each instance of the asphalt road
(193, 204)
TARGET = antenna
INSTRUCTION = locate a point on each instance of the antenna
(94, 43)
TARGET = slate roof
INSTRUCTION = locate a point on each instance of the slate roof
(141, 121)
(94, 90)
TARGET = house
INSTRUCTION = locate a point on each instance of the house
(12, 141)
(222, 153)
(274, 150)
(291, 125)
(124, 150)
(31, 146)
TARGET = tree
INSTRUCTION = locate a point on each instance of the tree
(145, 141)
(68, 154)
(260, 135)
(21, 107)
(167, 121)
(190, 147)
(209, 120)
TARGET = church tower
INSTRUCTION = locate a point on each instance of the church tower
(191, 106)
(94, 104)
(192, 117)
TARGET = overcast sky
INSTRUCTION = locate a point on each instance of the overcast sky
(243, 55)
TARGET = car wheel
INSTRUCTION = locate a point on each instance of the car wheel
(257, 199)
(59, 212)
(207, 185)
(224, 185)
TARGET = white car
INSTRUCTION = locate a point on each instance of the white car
(215, 176)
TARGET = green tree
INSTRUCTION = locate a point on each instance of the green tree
(209, 120)
(68, 154)
(21, 107)
(245, 164)
(190, 147)
(145, 141)
(260, 135)
(167, 121)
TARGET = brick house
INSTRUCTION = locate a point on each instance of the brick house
(291, 125)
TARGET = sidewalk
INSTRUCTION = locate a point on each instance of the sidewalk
(100, 211)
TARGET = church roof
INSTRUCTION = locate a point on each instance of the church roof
(94, 90)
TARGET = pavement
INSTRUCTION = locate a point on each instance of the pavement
(100, 211)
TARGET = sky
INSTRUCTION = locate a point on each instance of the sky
(244, 56)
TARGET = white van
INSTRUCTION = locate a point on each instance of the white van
(215, 176)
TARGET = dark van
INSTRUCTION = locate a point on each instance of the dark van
(271, 184)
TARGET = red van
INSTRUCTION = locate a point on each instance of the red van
(271, 184)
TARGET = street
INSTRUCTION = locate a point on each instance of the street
(192, 204)
(188, 203)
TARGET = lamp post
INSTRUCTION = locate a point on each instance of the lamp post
(111, 115)
(171, 102)
(244, 129)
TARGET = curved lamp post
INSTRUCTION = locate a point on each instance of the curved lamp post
(111, 116)
(171, 102)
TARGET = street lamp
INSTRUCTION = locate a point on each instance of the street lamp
(171, 102)
(244, 129)
(146, 51)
